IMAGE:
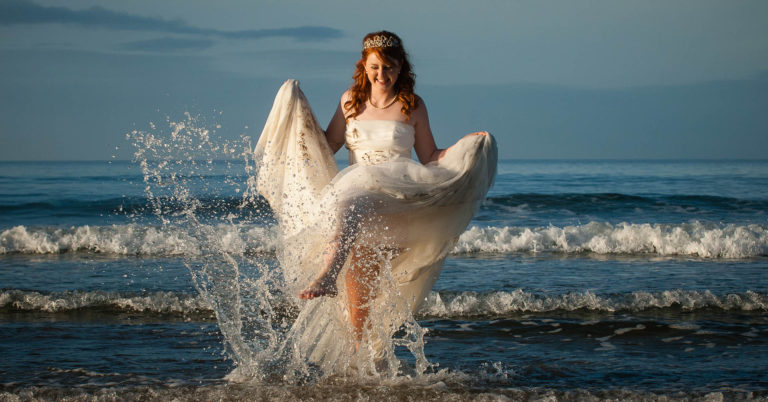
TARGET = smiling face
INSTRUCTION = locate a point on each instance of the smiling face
(381, 74)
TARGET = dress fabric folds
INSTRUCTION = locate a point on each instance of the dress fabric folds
(410, 215)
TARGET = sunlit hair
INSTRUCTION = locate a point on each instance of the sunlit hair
(360, 90)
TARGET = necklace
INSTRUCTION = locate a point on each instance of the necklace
(382, 107)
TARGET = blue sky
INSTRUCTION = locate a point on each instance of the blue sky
(551, 79)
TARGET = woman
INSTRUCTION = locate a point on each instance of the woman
(390, 220)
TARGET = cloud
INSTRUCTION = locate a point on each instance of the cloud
(168, 44)
(14, 12)
(305, 33)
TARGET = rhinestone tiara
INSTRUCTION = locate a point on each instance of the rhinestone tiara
(381, 41)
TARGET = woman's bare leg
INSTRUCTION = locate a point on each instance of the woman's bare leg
(337, 251)
(361, 284)
(325, 282)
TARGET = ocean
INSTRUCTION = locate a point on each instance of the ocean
(575, 280)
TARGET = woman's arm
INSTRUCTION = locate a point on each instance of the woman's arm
(425, 146)
(334, 134)
(426, 149)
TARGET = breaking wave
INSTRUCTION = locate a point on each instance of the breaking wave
(501, 303)
(449, 305)
(59, 302)
(134, 239)
(704, 240)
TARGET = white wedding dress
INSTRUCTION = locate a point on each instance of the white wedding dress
(411, 214)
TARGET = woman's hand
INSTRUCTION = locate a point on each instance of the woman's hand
(439, 153)
(477, 133)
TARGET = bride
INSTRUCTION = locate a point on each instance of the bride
(386, 222)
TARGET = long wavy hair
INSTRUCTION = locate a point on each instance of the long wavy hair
(360, 90)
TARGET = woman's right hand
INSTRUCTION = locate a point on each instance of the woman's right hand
(477, 133)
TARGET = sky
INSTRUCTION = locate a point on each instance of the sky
(551, 79)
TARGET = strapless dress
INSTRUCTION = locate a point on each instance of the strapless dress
(414, 215)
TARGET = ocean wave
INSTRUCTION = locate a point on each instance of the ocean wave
(59, 302)
(602, 202)
(577, 203)
(502, 303)
(704, 240)
(209, 206)
(135, 239)
(449, 305)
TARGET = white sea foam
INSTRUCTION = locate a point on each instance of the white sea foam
(622, 331)
(438, 304)
(134, 239)
(704, 240)
(501, 303)
(491, 387)
(156, 302)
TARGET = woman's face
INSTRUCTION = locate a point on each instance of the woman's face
(382, 75)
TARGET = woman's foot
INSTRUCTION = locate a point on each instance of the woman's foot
(323, 286)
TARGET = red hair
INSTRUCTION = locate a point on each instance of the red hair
(360, 90)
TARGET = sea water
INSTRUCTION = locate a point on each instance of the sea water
(576, 279)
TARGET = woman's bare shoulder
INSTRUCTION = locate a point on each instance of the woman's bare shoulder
(346, 96)
(420, 109)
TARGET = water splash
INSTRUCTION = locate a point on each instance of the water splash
(175, 161)
(263, 324)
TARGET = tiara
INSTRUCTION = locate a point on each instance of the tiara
(381, 41)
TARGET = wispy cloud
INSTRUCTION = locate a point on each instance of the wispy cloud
(169, 44)
(14, 12)
(305, 33)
